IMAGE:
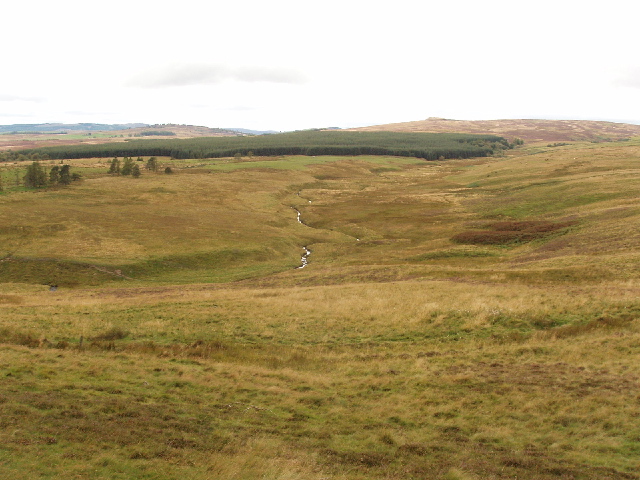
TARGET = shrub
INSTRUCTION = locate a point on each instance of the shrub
(504, 233)
(114, 333)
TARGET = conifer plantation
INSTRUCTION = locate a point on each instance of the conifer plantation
(430, 146)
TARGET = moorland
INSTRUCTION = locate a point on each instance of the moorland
(532, 130)
(463, 318)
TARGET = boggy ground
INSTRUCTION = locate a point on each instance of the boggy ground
(399, 352)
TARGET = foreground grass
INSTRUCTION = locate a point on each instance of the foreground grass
(396, 353)
(407, 379)
(558, 401)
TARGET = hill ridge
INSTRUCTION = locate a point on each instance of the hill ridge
(56, 127)
(531, 130)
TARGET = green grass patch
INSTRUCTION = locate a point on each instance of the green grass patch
(54, 272)
(453, 253)
(302, 162)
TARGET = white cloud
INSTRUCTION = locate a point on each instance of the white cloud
(19, 98)
(180, 75)
(629, 77)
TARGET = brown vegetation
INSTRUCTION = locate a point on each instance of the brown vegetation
(502, 233)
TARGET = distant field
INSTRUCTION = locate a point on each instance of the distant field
(461, 319)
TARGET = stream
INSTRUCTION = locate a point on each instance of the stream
(304, 261)
(305, 257)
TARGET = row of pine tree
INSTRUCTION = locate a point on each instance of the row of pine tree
(36, 176)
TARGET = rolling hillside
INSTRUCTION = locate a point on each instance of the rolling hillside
(17, 137)
(527, 130)
(66, 127)
(464, 319)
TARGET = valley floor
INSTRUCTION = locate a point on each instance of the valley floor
(472, 319)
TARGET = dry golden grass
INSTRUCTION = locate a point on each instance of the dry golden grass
(353, 314)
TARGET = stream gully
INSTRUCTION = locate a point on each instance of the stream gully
(305, 257)
(304, 261)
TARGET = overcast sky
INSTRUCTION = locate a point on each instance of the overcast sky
(285, 65)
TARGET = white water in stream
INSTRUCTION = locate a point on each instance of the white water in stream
(305, 257)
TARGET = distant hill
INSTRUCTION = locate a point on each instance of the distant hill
(21, 136)
(246, 131)
(183, 131)
(528, 130)
(67, 127)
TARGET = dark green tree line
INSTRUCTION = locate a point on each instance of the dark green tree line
(11, 156)
(430, 146)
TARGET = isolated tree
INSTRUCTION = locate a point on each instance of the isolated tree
(54, 175)
(35, 177)
(135, 171)
(127, 166)
(115, 166)
(168, 170)
(65, 175)
(152, 164)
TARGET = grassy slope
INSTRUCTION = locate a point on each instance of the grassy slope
(398, 355)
